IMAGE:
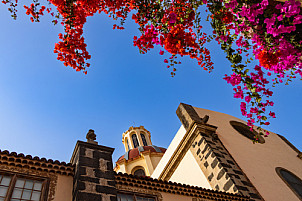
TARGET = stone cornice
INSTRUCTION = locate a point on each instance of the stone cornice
(91, 146)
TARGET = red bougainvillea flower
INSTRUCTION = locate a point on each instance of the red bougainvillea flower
(268, 59)
(240, 27)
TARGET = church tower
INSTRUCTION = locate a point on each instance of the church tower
(141, 157)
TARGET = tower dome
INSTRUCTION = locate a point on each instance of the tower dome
(141, 155)
(135, 137)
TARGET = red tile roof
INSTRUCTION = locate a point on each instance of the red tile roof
(123, 179)
(36, 163)
(135, 153)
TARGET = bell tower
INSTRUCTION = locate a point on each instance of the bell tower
(141, 155)
(135, 137)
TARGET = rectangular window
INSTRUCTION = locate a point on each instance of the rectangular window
(134, 197)
(15, 187)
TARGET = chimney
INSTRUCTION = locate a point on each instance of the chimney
(94, 176)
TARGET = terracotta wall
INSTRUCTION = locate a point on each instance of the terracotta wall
(258, 161)
(63, 190)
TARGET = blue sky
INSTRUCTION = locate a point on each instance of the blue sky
(46, 107)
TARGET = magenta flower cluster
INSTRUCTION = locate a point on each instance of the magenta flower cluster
(278, 57)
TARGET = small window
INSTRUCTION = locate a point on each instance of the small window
(246, 132)
(127, 141)
(292, 181)
(135, 141)
(139, 172)
(144, 139)
(134, 197)
(15, 188)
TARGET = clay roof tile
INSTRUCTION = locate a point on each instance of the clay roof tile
(178, 188)
(135, 153)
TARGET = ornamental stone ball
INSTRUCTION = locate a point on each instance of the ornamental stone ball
(91, 137)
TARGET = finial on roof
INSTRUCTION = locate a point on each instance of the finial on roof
(205, 119)
(91, 137)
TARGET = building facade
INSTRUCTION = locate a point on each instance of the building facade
(218, 150)
(211, 157)
(89, 177)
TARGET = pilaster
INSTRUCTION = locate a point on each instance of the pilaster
(94, 177)
(221, 170)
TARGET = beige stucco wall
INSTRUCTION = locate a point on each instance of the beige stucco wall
(64, 187)
(155, 159)
(122, 168)
(189, 172)
(147, 161)
(132, 164)
(258, 161)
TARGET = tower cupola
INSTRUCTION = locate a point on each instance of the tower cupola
(141, 155)
(135, 137)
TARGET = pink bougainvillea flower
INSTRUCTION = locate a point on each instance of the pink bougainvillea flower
(172, 18)
(231, 4)
(272, 114)
(247, 99)
(175, 28)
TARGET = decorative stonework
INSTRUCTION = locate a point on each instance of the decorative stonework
(89, 153)
(94, 176)
(103, 164)
(140, 190)
(220, 168)
(90, 172)
(91, 137)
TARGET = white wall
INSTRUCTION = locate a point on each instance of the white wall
(189, 172)
(169, 152)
